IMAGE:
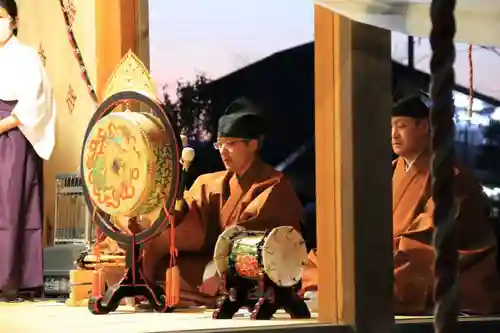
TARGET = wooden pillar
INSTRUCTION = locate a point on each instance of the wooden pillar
(117, 31)
(142, 35)
(353, 172)
(142, 18)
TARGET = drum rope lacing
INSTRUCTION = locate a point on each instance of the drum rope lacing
(442, 165)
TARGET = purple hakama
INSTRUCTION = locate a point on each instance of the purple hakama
(21, 181)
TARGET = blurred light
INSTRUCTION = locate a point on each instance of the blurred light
(496, 114)
(462, 101)
(492, 192)
(475, 119)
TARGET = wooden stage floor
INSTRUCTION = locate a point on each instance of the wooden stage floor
(54, 317)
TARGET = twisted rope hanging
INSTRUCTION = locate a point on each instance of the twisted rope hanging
(471, 82)
(442, 165)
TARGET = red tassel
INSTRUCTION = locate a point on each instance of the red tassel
(98, 283)
(172, 286)
(172, 276)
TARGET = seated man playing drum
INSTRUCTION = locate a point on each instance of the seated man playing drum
(413, 227)
(249, 193)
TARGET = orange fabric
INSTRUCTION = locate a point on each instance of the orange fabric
(310, 274)
(414, 255)
(262, 199)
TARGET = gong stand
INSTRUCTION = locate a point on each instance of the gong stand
(133, 283)
(263, 299)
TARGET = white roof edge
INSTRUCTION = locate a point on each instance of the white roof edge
(476, 25)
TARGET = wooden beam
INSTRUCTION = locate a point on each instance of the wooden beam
(142, 18)
(353, 172)
(142, 35)
(116, 33)
(325, 167)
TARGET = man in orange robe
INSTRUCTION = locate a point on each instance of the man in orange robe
(249, 193)
(414, 256)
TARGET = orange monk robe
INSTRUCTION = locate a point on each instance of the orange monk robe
(414, 256)
(262, 199)
(479, 284)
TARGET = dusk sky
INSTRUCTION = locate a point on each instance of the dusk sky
(219, 36)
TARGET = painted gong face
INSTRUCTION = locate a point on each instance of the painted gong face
(127, 163)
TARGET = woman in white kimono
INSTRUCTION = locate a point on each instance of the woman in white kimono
(27, 116)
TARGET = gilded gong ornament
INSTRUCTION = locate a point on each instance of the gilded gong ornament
(127, 157)
(131, 75)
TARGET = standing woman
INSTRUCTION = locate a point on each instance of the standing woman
(27, 117)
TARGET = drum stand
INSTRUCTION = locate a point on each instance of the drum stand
(270, 297)
(132, 284)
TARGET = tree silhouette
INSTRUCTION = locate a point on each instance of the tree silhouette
(191, 110)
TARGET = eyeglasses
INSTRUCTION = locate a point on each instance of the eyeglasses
(229, 145)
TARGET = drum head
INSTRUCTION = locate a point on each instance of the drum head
(118, 157)
(284, 255)
(117, 163)
(221, 251)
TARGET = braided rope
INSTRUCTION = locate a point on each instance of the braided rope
(442, 165)
(471, 82)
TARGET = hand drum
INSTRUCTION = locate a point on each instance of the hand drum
(280, 254)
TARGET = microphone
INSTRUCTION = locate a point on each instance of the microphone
(187, 157)
(184, 140)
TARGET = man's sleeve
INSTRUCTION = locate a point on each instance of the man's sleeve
(310, 274)
(191, 228)
(278, 206)
(414, 254)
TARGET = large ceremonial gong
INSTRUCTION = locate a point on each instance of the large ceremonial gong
(130, 167)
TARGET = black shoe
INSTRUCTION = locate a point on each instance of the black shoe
(27, 296)
(10, 296)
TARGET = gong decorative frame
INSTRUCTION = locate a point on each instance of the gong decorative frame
(131, 83)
